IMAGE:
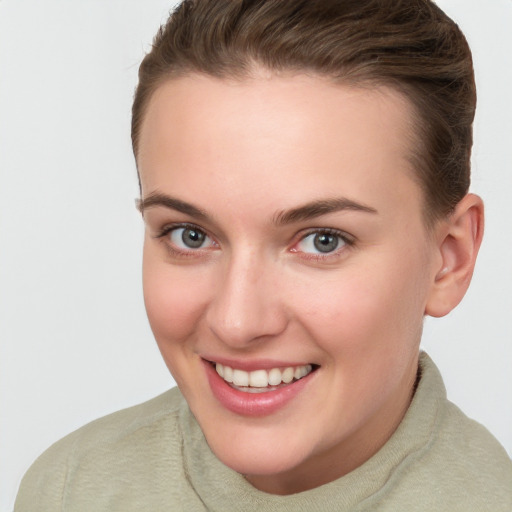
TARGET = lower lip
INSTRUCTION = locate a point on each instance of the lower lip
(252, 404)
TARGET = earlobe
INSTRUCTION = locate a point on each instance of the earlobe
(458, 248)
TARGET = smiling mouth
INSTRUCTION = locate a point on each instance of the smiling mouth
(262, 381)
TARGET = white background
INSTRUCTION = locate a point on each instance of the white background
(75, 343)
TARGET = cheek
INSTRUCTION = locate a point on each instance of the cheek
(380, 304)
(174, 300)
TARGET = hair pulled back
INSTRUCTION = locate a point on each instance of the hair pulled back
(410, 45)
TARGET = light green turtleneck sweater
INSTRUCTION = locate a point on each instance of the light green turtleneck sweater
(153, 457)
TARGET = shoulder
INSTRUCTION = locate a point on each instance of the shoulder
(466, 466)
(121, 449)
(471, 450)
(460, 466)
(115, 428)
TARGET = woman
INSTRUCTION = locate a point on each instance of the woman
(304, 172)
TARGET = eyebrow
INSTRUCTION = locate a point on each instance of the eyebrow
(172, 203)
(318, 208)
(305, 212)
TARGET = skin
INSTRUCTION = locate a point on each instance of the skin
(242, 153)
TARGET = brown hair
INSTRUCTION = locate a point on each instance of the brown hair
(410, 45)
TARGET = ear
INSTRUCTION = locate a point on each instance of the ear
(459, 239)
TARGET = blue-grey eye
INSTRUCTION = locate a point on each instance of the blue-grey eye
(325, 242)
(189, 237)
(320, 242)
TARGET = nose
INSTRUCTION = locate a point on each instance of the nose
(247, 306)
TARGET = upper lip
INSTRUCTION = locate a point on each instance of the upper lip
(254, 364)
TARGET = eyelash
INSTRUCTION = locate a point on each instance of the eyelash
(181, 253)
(347, 240)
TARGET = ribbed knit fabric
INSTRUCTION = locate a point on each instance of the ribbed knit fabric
(154, 457)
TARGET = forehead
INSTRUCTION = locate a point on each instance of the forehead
(303, 134)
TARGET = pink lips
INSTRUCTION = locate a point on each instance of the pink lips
(252, 404)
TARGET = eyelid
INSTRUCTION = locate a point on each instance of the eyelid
(164, 233)
(348, 241)
(177, 225)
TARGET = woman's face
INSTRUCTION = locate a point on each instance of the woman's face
(285, 240)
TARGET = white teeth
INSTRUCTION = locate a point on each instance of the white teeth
(240, 378)
(258, 379)
(274, 377)
(262, 378)
(300, 372)
(228, 374)
(288, 375)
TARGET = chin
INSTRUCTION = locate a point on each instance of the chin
(254, 455)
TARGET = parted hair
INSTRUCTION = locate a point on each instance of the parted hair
(409, 45)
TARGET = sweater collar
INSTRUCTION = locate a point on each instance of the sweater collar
(220, 488)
